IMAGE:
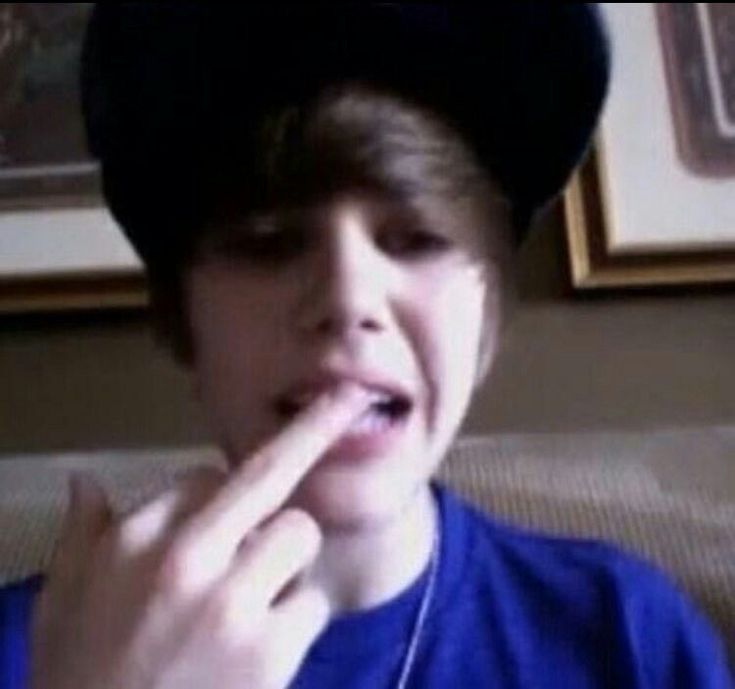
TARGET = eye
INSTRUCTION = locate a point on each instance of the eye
(411, 243)
(266, 242)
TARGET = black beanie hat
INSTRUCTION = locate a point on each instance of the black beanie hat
(523, 82)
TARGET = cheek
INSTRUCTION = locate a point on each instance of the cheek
(452, 330)
(232, 358)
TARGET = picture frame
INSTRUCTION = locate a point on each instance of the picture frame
(59, 247)
(654, 202)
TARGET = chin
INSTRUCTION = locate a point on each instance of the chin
(349, 498)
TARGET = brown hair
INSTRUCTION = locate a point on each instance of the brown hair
(349, 137)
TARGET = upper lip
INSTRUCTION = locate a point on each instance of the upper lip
(326, 380)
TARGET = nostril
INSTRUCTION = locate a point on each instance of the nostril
(370, 324)
(286, 408)
(338, 325)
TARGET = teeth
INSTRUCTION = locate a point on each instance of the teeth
(306, 398)
(380, 398)
(370, 422)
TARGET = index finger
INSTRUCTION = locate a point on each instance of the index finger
(265, 480)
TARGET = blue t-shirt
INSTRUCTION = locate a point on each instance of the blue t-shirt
(512, 609)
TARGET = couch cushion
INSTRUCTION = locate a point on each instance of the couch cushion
(668, 495)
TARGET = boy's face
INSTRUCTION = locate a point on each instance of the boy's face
(361, 288)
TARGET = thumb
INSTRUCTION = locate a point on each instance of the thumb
(89, 508)
(89, 514)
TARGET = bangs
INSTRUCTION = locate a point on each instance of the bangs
(348, 139)
(351, 138)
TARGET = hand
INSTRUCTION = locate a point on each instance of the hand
(203, 586)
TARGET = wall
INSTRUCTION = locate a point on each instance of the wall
(617, 361)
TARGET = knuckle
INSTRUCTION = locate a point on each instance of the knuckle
(125, 536)
(302, 526)
(136, 532)
(230, 625)
(305, 538)
(120, 540)
(175, 572)
(222, 622)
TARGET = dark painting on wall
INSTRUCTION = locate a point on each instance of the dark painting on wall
(698, 41)
(43, 157)
(60, 249)
(654, 204)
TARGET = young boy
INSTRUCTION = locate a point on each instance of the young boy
(325, 196)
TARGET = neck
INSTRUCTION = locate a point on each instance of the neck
(362, 568)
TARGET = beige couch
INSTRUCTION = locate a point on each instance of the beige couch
(668, 495)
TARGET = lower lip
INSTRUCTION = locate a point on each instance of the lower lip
(366, 444)
(361, 445)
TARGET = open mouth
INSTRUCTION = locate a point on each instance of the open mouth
(374, 434)
(385, 407)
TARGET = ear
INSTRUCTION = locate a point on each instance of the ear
(485, 358)
(488, 345)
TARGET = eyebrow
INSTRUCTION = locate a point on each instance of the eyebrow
(429, 212)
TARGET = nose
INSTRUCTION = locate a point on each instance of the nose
(347, 286)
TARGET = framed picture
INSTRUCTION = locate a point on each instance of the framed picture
(654, 203)
(59, 247)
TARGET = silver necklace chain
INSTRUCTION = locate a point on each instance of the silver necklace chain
(426, 601)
